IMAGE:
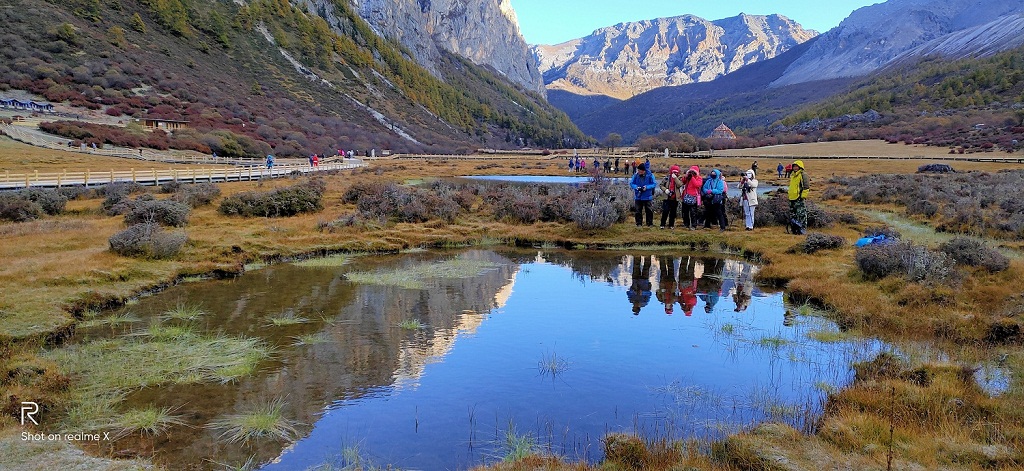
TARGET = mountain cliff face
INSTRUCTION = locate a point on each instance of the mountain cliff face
(631, 58)
(870, 39)
(485, 32)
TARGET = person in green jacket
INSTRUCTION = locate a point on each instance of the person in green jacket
(799, 185)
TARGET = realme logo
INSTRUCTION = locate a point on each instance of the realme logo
(29, 410)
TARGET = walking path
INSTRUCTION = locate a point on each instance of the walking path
(244, 168)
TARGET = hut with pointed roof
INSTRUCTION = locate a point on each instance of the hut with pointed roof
(722, 132)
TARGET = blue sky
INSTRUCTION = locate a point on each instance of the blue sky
(556, 21)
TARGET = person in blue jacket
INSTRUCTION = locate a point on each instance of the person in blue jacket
(713, 193)
(643, 185)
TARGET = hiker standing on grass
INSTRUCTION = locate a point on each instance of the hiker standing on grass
(672, 185)
(799, 185)
(616, 165)
(713, 192)
(597, 165)
(780, 168)
(753, 166)
(643, 184)
(692, 184)
(749, 198)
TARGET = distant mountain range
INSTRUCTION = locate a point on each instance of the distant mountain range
(896, 33)
(628, 59)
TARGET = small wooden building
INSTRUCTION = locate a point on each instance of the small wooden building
(164, 124)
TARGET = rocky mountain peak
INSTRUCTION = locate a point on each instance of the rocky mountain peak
(631, 58)
(485, 32)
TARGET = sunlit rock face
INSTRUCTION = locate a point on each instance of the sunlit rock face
(631, 58)
(485, 32)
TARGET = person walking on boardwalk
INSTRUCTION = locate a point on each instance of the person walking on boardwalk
(270, 161)
(748, 199)
(799, 186)
(643, 184)
(692, 183)
(672, 185)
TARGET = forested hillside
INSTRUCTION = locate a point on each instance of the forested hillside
(969, 104)
(264, 76)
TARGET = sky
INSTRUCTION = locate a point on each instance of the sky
(557, 21)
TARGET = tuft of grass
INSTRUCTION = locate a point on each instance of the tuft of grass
(253, 266)
(728, 328)
(286, 320)
(332, 261)
(109, 369)
(262, 421)
(411, 324)
(552, 365)
(828, 336)
(184, 312)
(773, 341)
(518, 446)
(148, 421)
(310, 339)
(113, 320)
(413, 277)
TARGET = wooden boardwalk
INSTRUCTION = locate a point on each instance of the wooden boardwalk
(11, 181)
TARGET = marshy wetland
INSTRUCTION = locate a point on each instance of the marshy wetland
(527, 346)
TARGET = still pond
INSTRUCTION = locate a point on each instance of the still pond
(434, 360)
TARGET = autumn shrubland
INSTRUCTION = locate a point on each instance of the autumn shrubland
(919, 403)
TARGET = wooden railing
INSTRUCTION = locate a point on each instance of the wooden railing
(157, 176)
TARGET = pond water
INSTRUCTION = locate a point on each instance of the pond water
(734, 190)
(432, 360)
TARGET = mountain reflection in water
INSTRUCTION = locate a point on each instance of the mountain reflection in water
(663, 344)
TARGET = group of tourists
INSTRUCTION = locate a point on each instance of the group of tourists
(691, 191)
(578, 164)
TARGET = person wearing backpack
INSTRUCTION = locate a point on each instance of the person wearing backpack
(713, 192)
(672, 186)
(799, 186)
(643, 185)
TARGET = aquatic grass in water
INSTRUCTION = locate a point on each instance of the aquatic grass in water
(113, 320)
(184, 312)
(412, 277)
(552, 365)
(332, 261)
(311, 339)
(828, 336)
(149, 421)
(412, 325)
(264, 420)
(107, 370)
(286, 319)
(518, 446)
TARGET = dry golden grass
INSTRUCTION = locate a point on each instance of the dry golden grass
(865, 148)
(42, 291)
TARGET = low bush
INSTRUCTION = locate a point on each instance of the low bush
(816, 241)
(116, 194)
(887, 231)
(163, 212)
(515, 204)
(282, 202)
(975, 253)
(52, 202)
(197, 194)
(147, 240)
(594, 211)
(17, 209)
(935, 168)
(913, 262)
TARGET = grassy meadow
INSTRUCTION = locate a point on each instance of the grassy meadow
(920, 410)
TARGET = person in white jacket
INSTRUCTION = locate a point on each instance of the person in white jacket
(749, 198)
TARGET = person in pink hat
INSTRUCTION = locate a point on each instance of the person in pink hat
(690, 196)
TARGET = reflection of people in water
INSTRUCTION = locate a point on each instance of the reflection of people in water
(667, 283)
(710, 284)
(639, 293)
(744, 288)
(688, 284)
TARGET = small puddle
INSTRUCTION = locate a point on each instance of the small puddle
(435, 360)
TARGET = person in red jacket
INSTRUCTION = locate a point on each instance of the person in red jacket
(690, 197)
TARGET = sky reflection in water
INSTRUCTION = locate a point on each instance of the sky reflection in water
(579, 345)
